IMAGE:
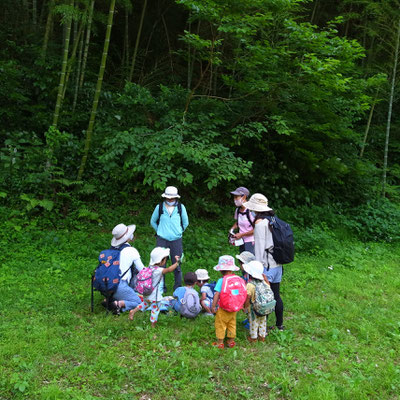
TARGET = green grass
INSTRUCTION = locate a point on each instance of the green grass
(342, 303)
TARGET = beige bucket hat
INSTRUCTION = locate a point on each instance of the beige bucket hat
(258, 202)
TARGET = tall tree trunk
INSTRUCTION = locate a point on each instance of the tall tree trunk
(34, 14)
(137, 41)
(85, 52)
(89, 131)
(371, 113)
(314, 11)
(78, 73)
(72, 58)
(389, 117)
(63, 69)
(125, 55)
(47, 31)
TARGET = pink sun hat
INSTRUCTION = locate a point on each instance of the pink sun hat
(226, 263)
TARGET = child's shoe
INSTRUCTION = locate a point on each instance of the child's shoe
(218, 345)
(251, 340)
(231, 344)
(261, 339)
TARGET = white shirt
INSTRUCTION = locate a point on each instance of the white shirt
(129, 255)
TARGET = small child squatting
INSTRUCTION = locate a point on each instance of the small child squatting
(158, 259)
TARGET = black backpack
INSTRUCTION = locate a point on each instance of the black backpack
(282, 236)
(161, 210)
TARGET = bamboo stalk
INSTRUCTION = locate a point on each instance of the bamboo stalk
(85, 53)
(47, 31)
(389, 117)
(137, 41)
(89, 131)
(63, 69)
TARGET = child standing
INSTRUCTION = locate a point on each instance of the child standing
(260, 301)
(188, 302)
(207, 293)
(158, 258)
(230, 293)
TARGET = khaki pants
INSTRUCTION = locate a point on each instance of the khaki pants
(225, 322)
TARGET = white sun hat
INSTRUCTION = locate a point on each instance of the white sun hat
(121, 233)
(157, 255)
(171, 192)
(258, 202)
(226, 263)
(202, 274)
(245, 257)
(255, 269)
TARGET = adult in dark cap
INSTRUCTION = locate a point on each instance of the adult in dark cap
(244, 220)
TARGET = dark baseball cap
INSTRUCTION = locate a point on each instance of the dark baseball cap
(241, 191)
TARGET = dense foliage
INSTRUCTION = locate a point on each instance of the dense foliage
(273, 94)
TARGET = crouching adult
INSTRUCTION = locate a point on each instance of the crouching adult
(125, 298)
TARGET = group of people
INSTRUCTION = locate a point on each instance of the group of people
(251, 232)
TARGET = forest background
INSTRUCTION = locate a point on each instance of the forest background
(110, 101)
(104, 103)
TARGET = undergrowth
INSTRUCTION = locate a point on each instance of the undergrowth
(341, 300)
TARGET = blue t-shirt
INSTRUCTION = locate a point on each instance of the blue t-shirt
(179, 294)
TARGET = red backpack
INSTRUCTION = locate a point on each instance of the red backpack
(233, 293)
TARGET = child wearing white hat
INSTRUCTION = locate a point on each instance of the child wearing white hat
(206, 290)
(257, 290)
(158, 258)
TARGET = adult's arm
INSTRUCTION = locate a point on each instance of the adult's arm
(185, 218)
(154, 218)
(138, 264)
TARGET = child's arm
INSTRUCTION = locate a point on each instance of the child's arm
(266, 279)
(172, 267)
(215, 302)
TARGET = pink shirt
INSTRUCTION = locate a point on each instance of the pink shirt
(244, 224)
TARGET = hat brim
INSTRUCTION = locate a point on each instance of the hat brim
(235, 193)
(256, 207)
(171, 196)
(123, 239)
(165, 253)
(252, 272)
(226, 268)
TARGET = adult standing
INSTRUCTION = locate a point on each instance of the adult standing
(264, 246)
(170, 220)
(244, 220)
(125, 298)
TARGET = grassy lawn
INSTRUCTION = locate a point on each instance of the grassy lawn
(342, 341)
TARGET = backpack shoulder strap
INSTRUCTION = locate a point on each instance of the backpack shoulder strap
(248, 217)
(160, 211)
(180, 213)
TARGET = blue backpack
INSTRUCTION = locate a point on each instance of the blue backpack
(108, 275)
(282, 235)
(211, 285)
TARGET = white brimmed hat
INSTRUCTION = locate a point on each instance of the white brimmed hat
(202, 274)
(157, 255)
(254, 269)
(171, 192)
(226, 263)
(245, 257)
(121, 233)
(258, 202)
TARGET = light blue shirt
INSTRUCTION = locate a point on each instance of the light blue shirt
(218, 286)
(169, 227)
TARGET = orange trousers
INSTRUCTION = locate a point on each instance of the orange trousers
(225, 323)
